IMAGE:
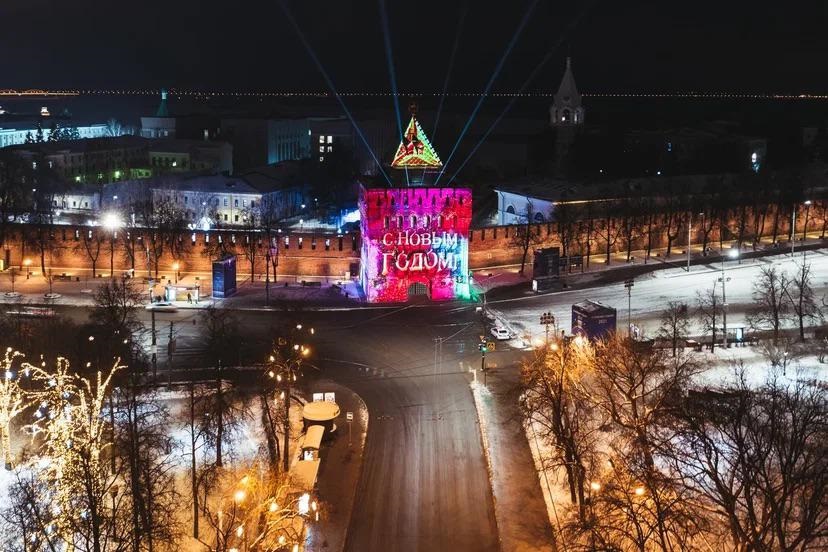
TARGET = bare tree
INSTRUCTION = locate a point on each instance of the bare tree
(756, 459)
(553, 398)
(675, 321)
(90, 244)
(523, 236)
(147, 452)
(771, 305)
(800, 294)
(222, 410)
(709, 309)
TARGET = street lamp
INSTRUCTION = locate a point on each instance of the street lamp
(807, 204)
(111, 221)
(28, 263)
(284, 368)
(733, 254)
(176, 266)
(547, 319)
(629, 283)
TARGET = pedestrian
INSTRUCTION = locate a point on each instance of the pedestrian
(189, 298)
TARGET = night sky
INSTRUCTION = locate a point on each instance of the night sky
(722, 45)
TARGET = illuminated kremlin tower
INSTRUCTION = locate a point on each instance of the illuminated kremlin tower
(414, 232)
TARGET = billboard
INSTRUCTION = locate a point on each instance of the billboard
(415, 243)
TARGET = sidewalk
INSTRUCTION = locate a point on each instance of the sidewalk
(599, 273)
(248, 295)
(339, 471)
(519, 505)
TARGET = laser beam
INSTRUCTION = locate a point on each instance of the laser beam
(523, 87)
(392, 74)
(489, 84)
(460, 26)
(330, 84)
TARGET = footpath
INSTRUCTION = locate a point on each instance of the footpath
(520, 510)
(339, 471)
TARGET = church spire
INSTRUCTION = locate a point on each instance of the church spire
(162, 110)
(566, 106)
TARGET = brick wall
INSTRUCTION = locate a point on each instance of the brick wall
(331, 256)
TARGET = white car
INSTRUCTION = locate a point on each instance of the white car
(501, 334)
(162, 306)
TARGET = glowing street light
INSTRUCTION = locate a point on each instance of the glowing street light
(239, 495)
(111, 222)
(176, 267)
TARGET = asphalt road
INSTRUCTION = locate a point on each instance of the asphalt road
(424, 483)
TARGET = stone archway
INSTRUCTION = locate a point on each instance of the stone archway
(418, 290)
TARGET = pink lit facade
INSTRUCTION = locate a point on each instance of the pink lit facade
(414, 243)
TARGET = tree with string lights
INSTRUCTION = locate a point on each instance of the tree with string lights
(85, 503)
(259, 510)
(284, 368)
(12, 399)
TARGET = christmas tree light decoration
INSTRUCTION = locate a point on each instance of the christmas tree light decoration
(415, 151)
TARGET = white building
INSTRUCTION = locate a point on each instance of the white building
(16, 134)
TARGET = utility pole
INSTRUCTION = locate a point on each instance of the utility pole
(724, 280)
(154, 349)
(629, 283)
(689, 232)
(170, 351)
(483, 350)
(793, 230)
(287, 420)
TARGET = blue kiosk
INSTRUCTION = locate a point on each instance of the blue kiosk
(224, 277)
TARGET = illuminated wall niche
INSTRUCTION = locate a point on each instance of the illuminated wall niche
(415, 241)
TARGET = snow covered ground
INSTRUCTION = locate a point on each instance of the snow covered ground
(651, 293)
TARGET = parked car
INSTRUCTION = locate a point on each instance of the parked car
(501, 334)
(162, 306)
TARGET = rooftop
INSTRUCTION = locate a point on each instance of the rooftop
(209, 184)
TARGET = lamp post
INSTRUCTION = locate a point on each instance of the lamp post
(629, 285)
(28, 263)
(111, 222)
(176, 267)
(807, 204)
(733, 253)
(285, 366)
(547, 319)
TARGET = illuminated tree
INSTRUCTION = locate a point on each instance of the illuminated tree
(285, 366)
(85, 502)
(554, 399)
(13, 399)
(258, 511)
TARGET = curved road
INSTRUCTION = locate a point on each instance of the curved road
(424, 484)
